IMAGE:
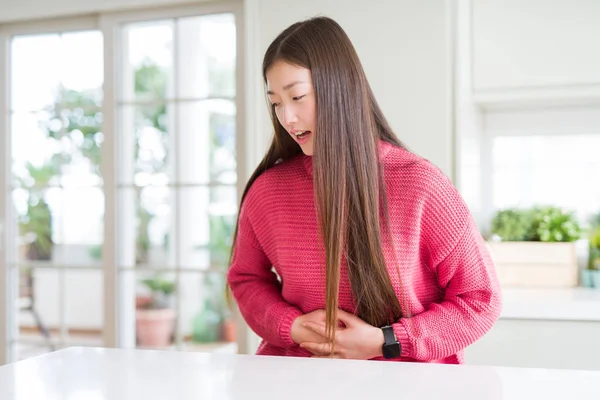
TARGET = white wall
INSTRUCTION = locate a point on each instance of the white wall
(404, 48)
(527, 44)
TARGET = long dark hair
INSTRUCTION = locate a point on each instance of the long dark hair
(348, 199)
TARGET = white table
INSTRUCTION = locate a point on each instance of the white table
(95, 374)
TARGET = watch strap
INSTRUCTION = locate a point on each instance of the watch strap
(388, 335)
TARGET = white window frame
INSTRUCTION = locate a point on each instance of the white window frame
(5, 289)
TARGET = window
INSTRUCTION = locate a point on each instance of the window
(123, 181)
(534, 170)
(545, 157)
(177, 175)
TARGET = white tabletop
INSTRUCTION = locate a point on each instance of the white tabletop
(98, 374)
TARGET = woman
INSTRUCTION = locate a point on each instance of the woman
(375, 254)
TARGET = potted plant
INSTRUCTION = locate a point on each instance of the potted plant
(155, 318)
(592, 275)
(535, 247)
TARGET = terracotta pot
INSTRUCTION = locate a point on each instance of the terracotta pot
(142, 301)
(154, 328)
(228, 330)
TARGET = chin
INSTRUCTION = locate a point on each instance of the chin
(307, 151)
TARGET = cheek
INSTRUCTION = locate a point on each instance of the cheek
(309, 113)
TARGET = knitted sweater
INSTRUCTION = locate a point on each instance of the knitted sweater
(446, 275)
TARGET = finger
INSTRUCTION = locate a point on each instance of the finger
(316, 328)
(319, 349)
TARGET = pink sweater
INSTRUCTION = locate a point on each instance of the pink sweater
(447, 276)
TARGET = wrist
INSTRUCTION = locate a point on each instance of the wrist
(378, 342)
(286, 329)
(391, 347)
(296, 324)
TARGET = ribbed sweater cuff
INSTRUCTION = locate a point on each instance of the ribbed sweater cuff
(285, 326)
(402, 336)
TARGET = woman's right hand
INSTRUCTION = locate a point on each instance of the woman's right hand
(301, 334)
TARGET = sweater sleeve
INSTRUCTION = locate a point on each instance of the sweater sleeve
(257, 289)
(471, 304)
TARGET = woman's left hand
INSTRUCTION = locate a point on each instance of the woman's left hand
(356, 340)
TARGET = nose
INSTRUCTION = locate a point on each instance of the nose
(288, 116)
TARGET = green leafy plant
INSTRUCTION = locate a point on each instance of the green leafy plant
(512, 225)
(553, 224)
(594, 257)
(595, 220)
(36, 225)
(537, 224)
(221, 236)
(161, 290)
(36, 228)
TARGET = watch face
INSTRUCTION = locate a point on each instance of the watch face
(391, 350)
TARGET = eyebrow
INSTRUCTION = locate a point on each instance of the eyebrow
(288, 86)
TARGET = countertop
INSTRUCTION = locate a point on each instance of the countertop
(97, 374)
(575, 304)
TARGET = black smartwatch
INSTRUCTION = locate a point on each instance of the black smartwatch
(391, 347)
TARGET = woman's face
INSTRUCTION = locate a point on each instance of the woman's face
(291, 94)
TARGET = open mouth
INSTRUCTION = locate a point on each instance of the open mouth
(301, 136)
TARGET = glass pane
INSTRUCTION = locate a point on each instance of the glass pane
(206, 56)
(60, 226)
(145, 145)
(33, 150)
(83, 296)
(37, 214)
(206, 322)
(39, 317)
(207, 144)
(80, 229)
(35, 71)
(57, 147)
(155, 315)
(547, 170)
(146, 227)
(82, 66)
(148, 61)
(65, 136)
(205, 229)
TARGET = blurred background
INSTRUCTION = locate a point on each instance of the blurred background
(129, 128)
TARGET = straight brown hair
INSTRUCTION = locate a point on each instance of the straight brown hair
(348, 200)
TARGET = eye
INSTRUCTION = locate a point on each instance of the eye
(298, 97)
